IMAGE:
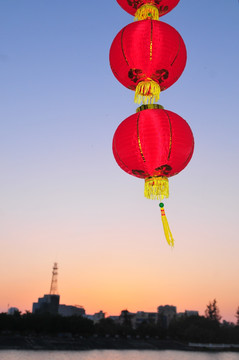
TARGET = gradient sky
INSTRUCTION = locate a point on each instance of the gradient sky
(64, 198)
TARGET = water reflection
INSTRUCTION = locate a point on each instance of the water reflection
(116, 355)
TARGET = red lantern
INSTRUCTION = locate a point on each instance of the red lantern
(142, 9)
(147, 56)
(153, 143)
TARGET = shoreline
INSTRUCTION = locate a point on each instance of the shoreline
(66, 342)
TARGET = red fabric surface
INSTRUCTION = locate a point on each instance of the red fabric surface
(153, 142)
(164, 6)
(148, 49)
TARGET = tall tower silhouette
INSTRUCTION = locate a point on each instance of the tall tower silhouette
(53, 289)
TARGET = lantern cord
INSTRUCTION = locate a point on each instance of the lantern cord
(147, 11)
(147, 91)
(166, 228)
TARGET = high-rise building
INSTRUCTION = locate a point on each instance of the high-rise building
(166, 314)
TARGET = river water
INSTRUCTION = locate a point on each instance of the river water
(116, 355)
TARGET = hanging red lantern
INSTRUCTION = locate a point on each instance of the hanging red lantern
(143, 9)
(148, 56)
(154, 144)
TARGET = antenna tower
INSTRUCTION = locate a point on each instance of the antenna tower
(53, 290)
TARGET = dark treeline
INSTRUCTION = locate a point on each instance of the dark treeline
(200, 329)
(185, 329)
(45, 324)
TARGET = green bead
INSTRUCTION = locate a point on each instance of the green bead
(161, 205)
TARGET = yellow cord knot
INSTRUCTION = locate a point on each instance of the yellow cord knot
(147, 11)
(156, 187)
(147, 91)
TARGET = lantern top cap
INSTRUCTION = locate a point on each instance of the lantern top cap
(149, 106)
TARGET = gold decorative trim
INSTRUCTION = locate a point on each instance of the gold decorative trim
(151, 42)
(170, 139)
(139, 142)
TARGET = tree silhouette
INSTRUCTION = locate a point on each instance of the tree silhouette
(126, 322)
(212, 311)
(237, 316)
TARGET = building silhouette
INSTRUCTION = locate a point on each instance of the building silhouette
(70, 310)
(166, 314)
(12, 310)
(49, 303)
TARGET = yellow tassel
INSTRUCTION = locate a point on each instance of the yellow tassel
(156, 187)
(167, 232)
(147, 91)
(147, 11)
